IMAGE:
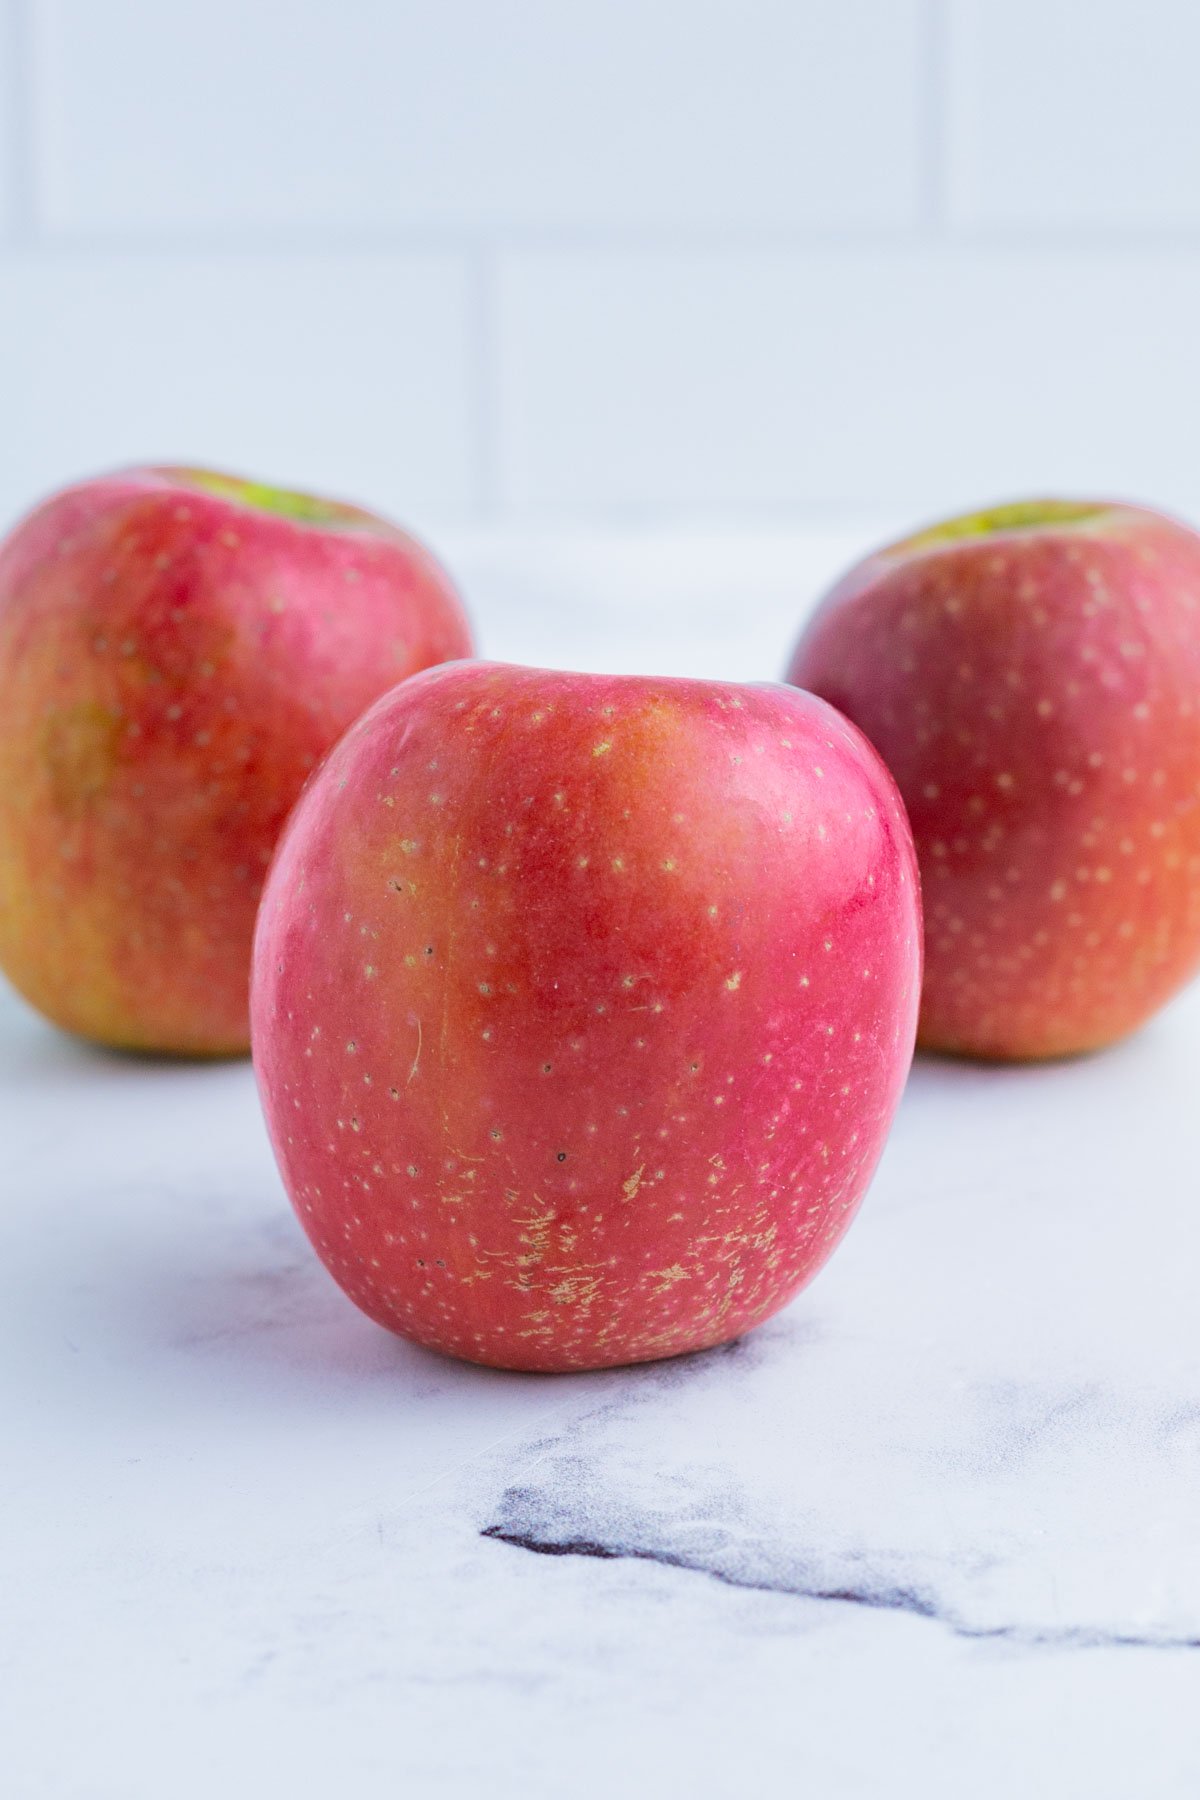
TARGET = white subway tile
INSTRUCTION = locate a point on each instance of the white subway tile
(1067, 115)
(347, 374)
(861, 380)
(219, 114)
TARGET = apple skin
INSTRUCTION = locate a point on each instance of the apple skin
(177, 650)
(582, 1005)
(1031, 676)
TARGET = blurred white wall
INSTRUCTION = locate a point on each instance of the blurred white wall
(531, 261)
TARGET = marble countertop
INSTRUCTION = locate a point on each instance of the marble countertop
(934, 1530)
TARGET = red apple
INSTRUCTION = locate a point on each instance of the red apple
(177, 650)
(1031, 676)
(582, 1005)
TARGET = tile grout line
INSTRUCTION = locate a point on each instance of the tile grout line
(482, 246)
(485, 371)
(22, 231)
(932, 147)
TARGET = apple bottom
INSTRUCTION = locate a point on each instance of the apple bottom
(594, 1189)
(680, 1340)
(664, 1268)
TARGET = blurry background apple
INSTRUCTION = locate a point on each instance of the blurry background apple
(177, 650)
(1031, 676)
(582, 1005)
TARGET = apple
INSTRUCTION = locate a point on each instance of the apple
(1031, 676)
(582, 1005)
(178, 649)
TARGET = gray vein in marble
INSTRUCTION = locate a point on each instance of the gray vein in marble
(1012, 1509)
(519, 1534)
